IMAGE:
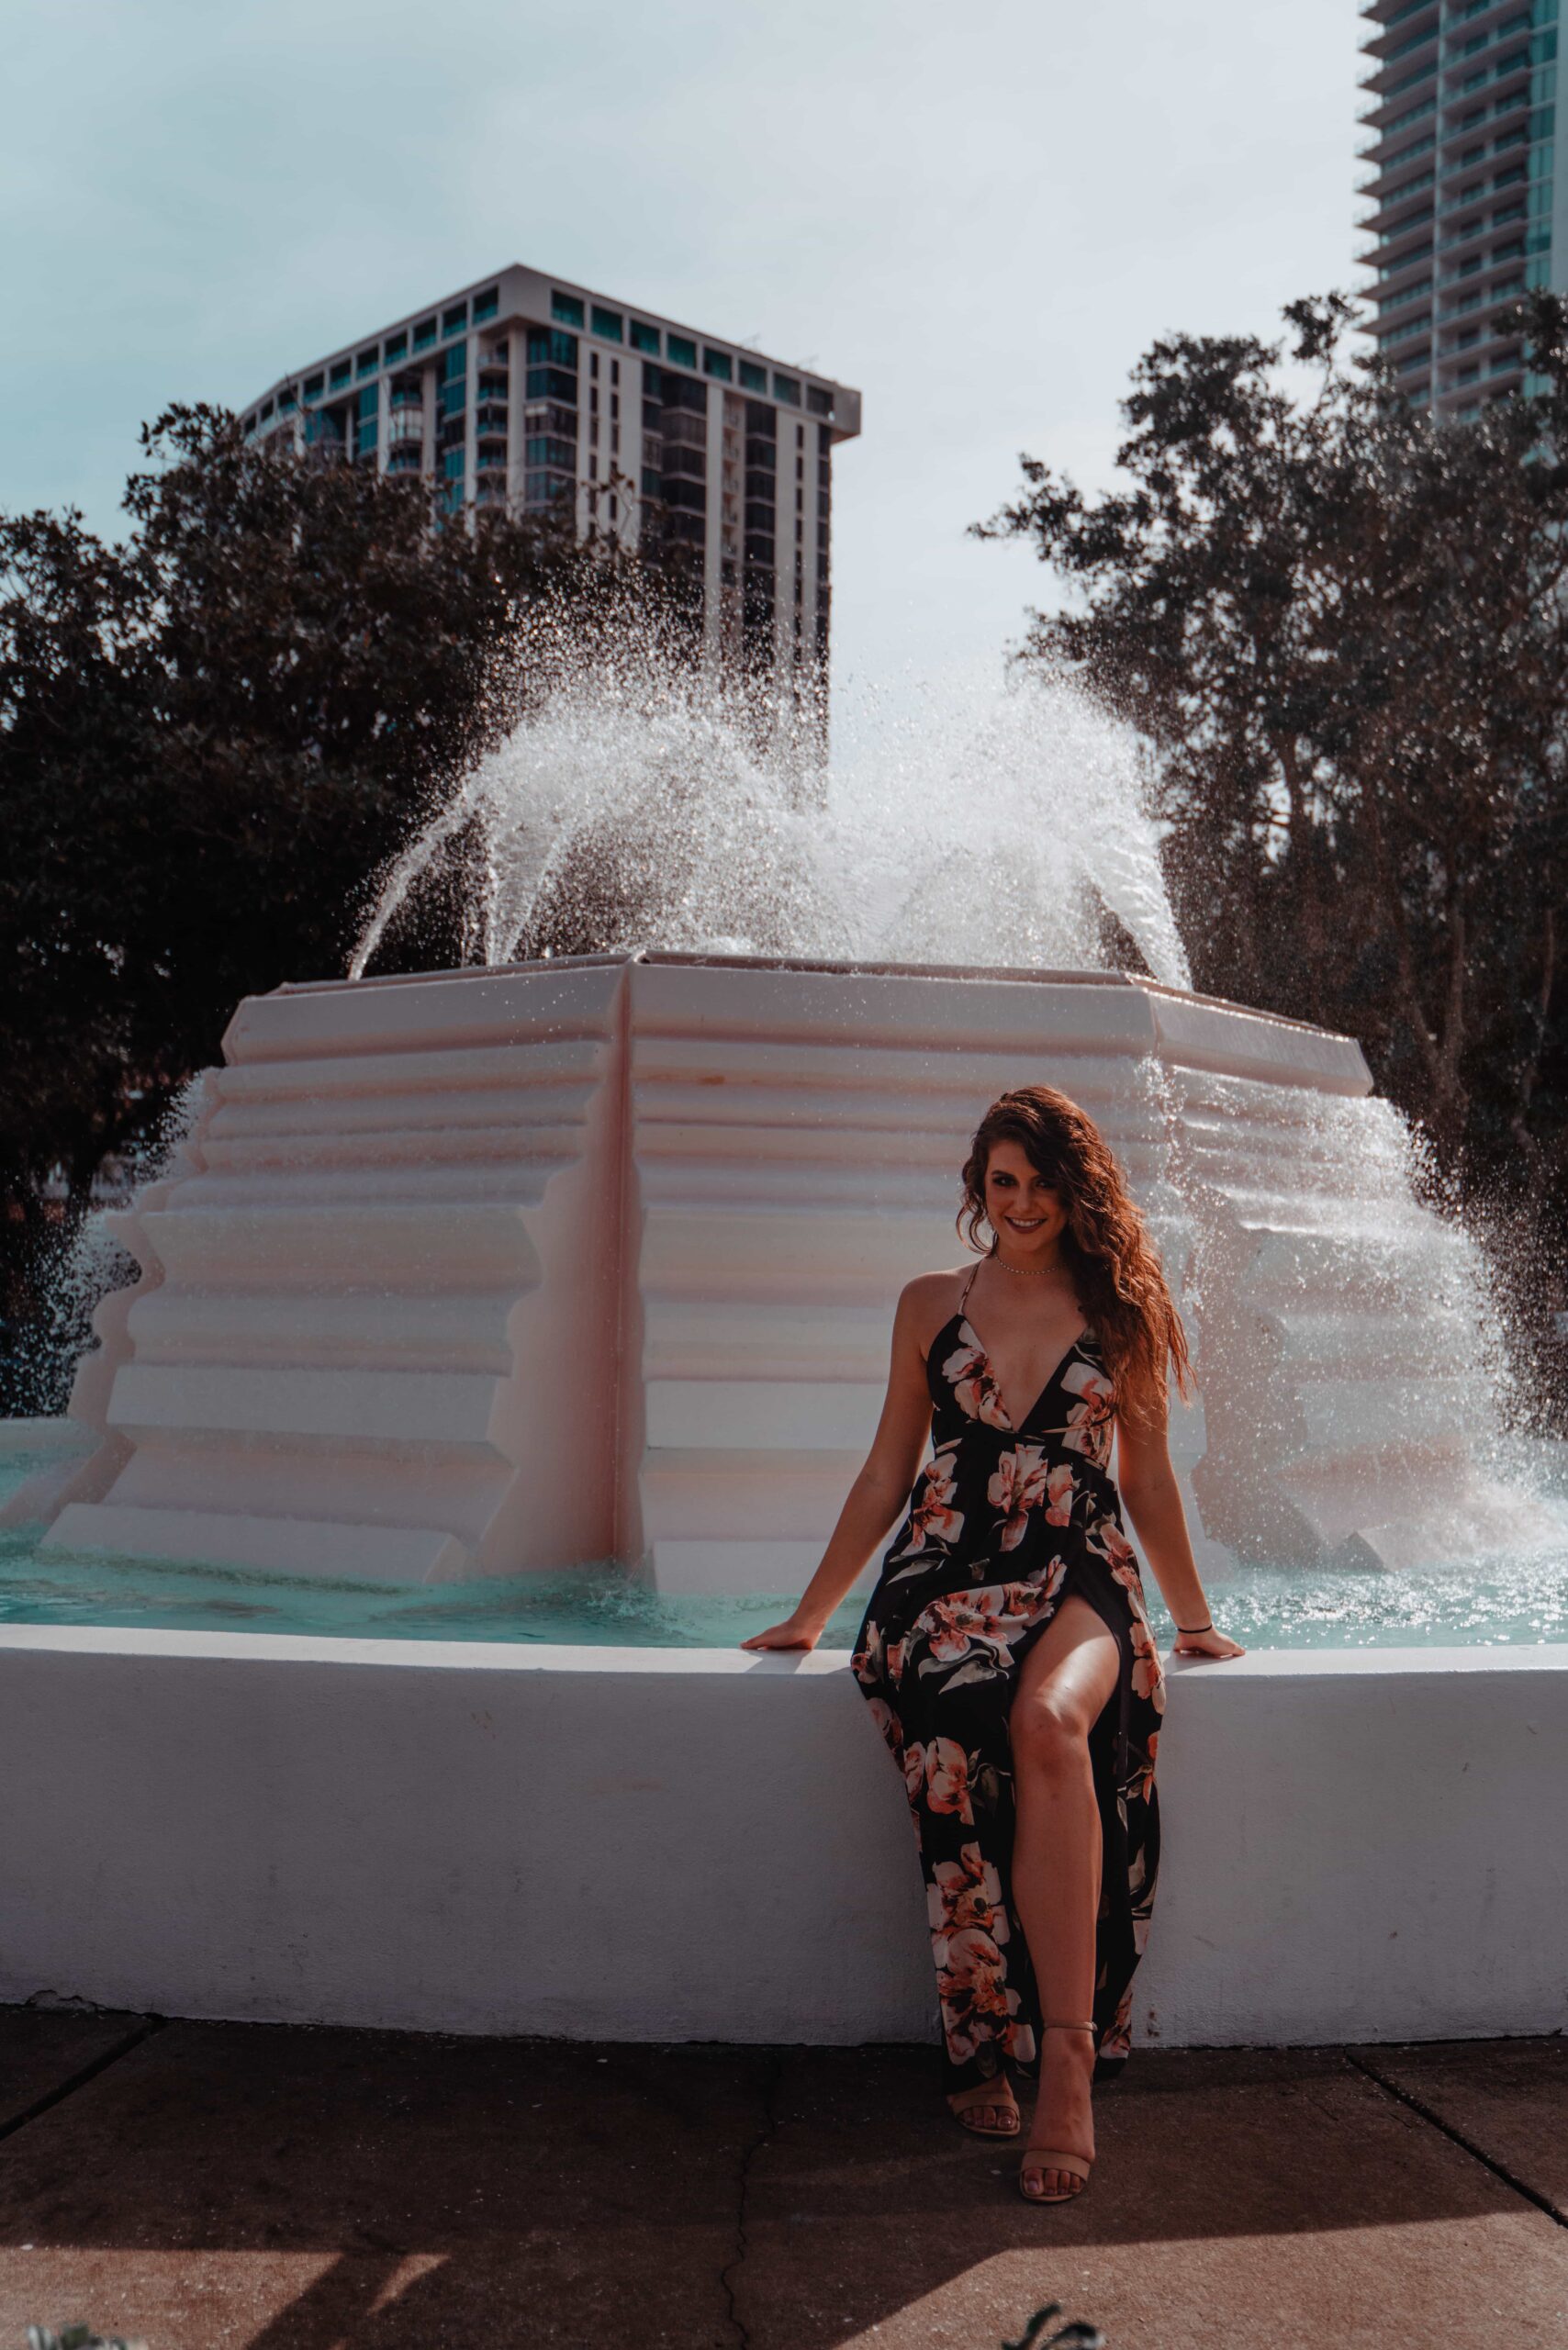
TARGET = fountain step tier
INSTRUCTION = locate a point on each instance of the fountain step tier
(493, 1270)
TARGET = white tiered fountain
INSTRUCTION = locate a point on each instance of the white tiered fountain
(511, 1269)
(591, 1258)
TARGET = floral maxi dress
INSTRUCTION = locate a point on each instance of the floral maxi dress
(1002, 1524)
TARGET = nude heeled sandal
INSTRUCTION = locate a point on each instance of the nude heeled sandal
(1044, 2158)
(988, 2093)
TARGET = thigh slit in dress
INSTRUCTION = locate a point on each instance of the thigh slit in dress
(1004, 1523)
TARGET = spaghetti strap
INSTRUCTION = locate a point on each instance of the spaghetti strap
(964, 1293)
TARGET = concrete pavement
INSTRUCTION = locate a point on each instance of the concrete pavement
(223, 2187)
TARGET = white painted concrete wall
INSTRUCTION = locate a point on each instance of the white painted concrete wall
(702, 1844)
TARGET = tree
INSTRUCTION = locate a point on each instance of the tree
(211, 739)
(1341, 629)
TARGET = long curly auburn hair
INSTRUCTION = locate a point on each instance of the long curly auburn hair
(1115, 1265)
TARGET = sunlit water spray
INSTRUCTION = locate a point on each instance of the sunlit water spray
(634, 809)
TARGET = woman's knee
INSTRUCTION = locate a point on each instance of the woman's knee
(1050, 1732)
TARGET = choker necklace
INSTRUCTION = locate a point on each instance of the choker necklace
(1022, 1269)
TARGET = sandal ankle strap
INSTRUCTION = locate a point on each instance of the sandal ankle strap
(1067, 2027)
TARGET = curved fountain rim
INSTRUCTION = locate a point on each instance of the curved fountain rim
(867, 967)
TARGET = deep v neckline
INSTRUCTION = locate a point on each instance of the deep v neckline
(1017, 1428)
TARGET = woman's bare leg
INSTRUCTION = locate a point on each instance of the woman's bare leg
(1068, 1676)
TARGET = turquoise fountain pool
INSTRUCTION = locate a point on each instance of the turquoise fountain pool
(1510, 1597)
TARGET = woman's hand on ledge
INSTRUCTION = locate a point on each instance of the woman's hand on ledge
(1209, 1643)
(791, 1634)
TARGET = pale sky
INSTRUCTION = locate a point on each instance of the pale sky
(978, 215)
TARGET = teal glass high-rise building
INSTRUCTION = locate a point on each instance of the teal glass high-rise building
(528, 393)
(1467, 209)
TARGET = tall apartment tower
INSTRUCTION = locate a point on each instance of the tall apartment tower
(531, 393)
(1467, 210)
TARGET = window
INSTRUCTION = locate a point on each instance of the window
(366, 426)
(609, 325)
(754, 377)
(644, 338)
(615, 373)
(286, 401)
(424, 334)
(341, 370)
(545, 489)
(250, 422)
(786, 387)
(396, 348)
(593, 371)
(314, 387)
(369, 361)
(717, 363)
(453, 322)
(1406, 294)
(487, 304)
(682, 350)
(552, 383)
(1413, 40)
(266, 410)
(567, 308)
(819, 400)
(546, 347)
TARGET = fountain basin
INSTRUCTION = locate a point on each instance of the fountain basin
(488, 1272)
(630, 1844)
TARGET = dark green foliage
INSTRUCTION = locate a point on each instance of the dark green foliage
(212, 737)
(1343, 632)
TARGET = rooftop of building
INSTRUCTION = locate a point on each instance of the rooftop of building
(533, 297)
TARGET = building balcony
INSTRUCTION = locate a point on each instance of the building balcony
(1404, 93)
(1496, 344)
(1502, 75)
(1398, 61)
(405, 427)
(1404, 247)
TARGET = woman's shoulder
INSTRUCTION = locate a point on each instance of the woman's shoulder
(928, 1303)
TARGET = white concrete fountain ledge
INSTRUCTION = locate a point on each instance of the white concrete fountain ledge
(499, 1269)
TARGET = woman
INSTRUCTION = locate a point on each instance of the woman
(1005, 1649)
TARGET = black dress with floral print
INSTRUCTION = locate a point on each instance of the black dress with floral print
(1002, 1524)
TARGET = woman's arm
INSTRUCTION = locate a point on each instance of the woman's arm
(1153, 1498)
(880, 1490)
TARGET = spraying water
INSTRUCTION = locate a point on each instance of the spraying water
(1004, 825)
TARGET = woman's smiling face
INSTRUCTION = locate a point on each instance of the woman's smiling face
(1025, 1208)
